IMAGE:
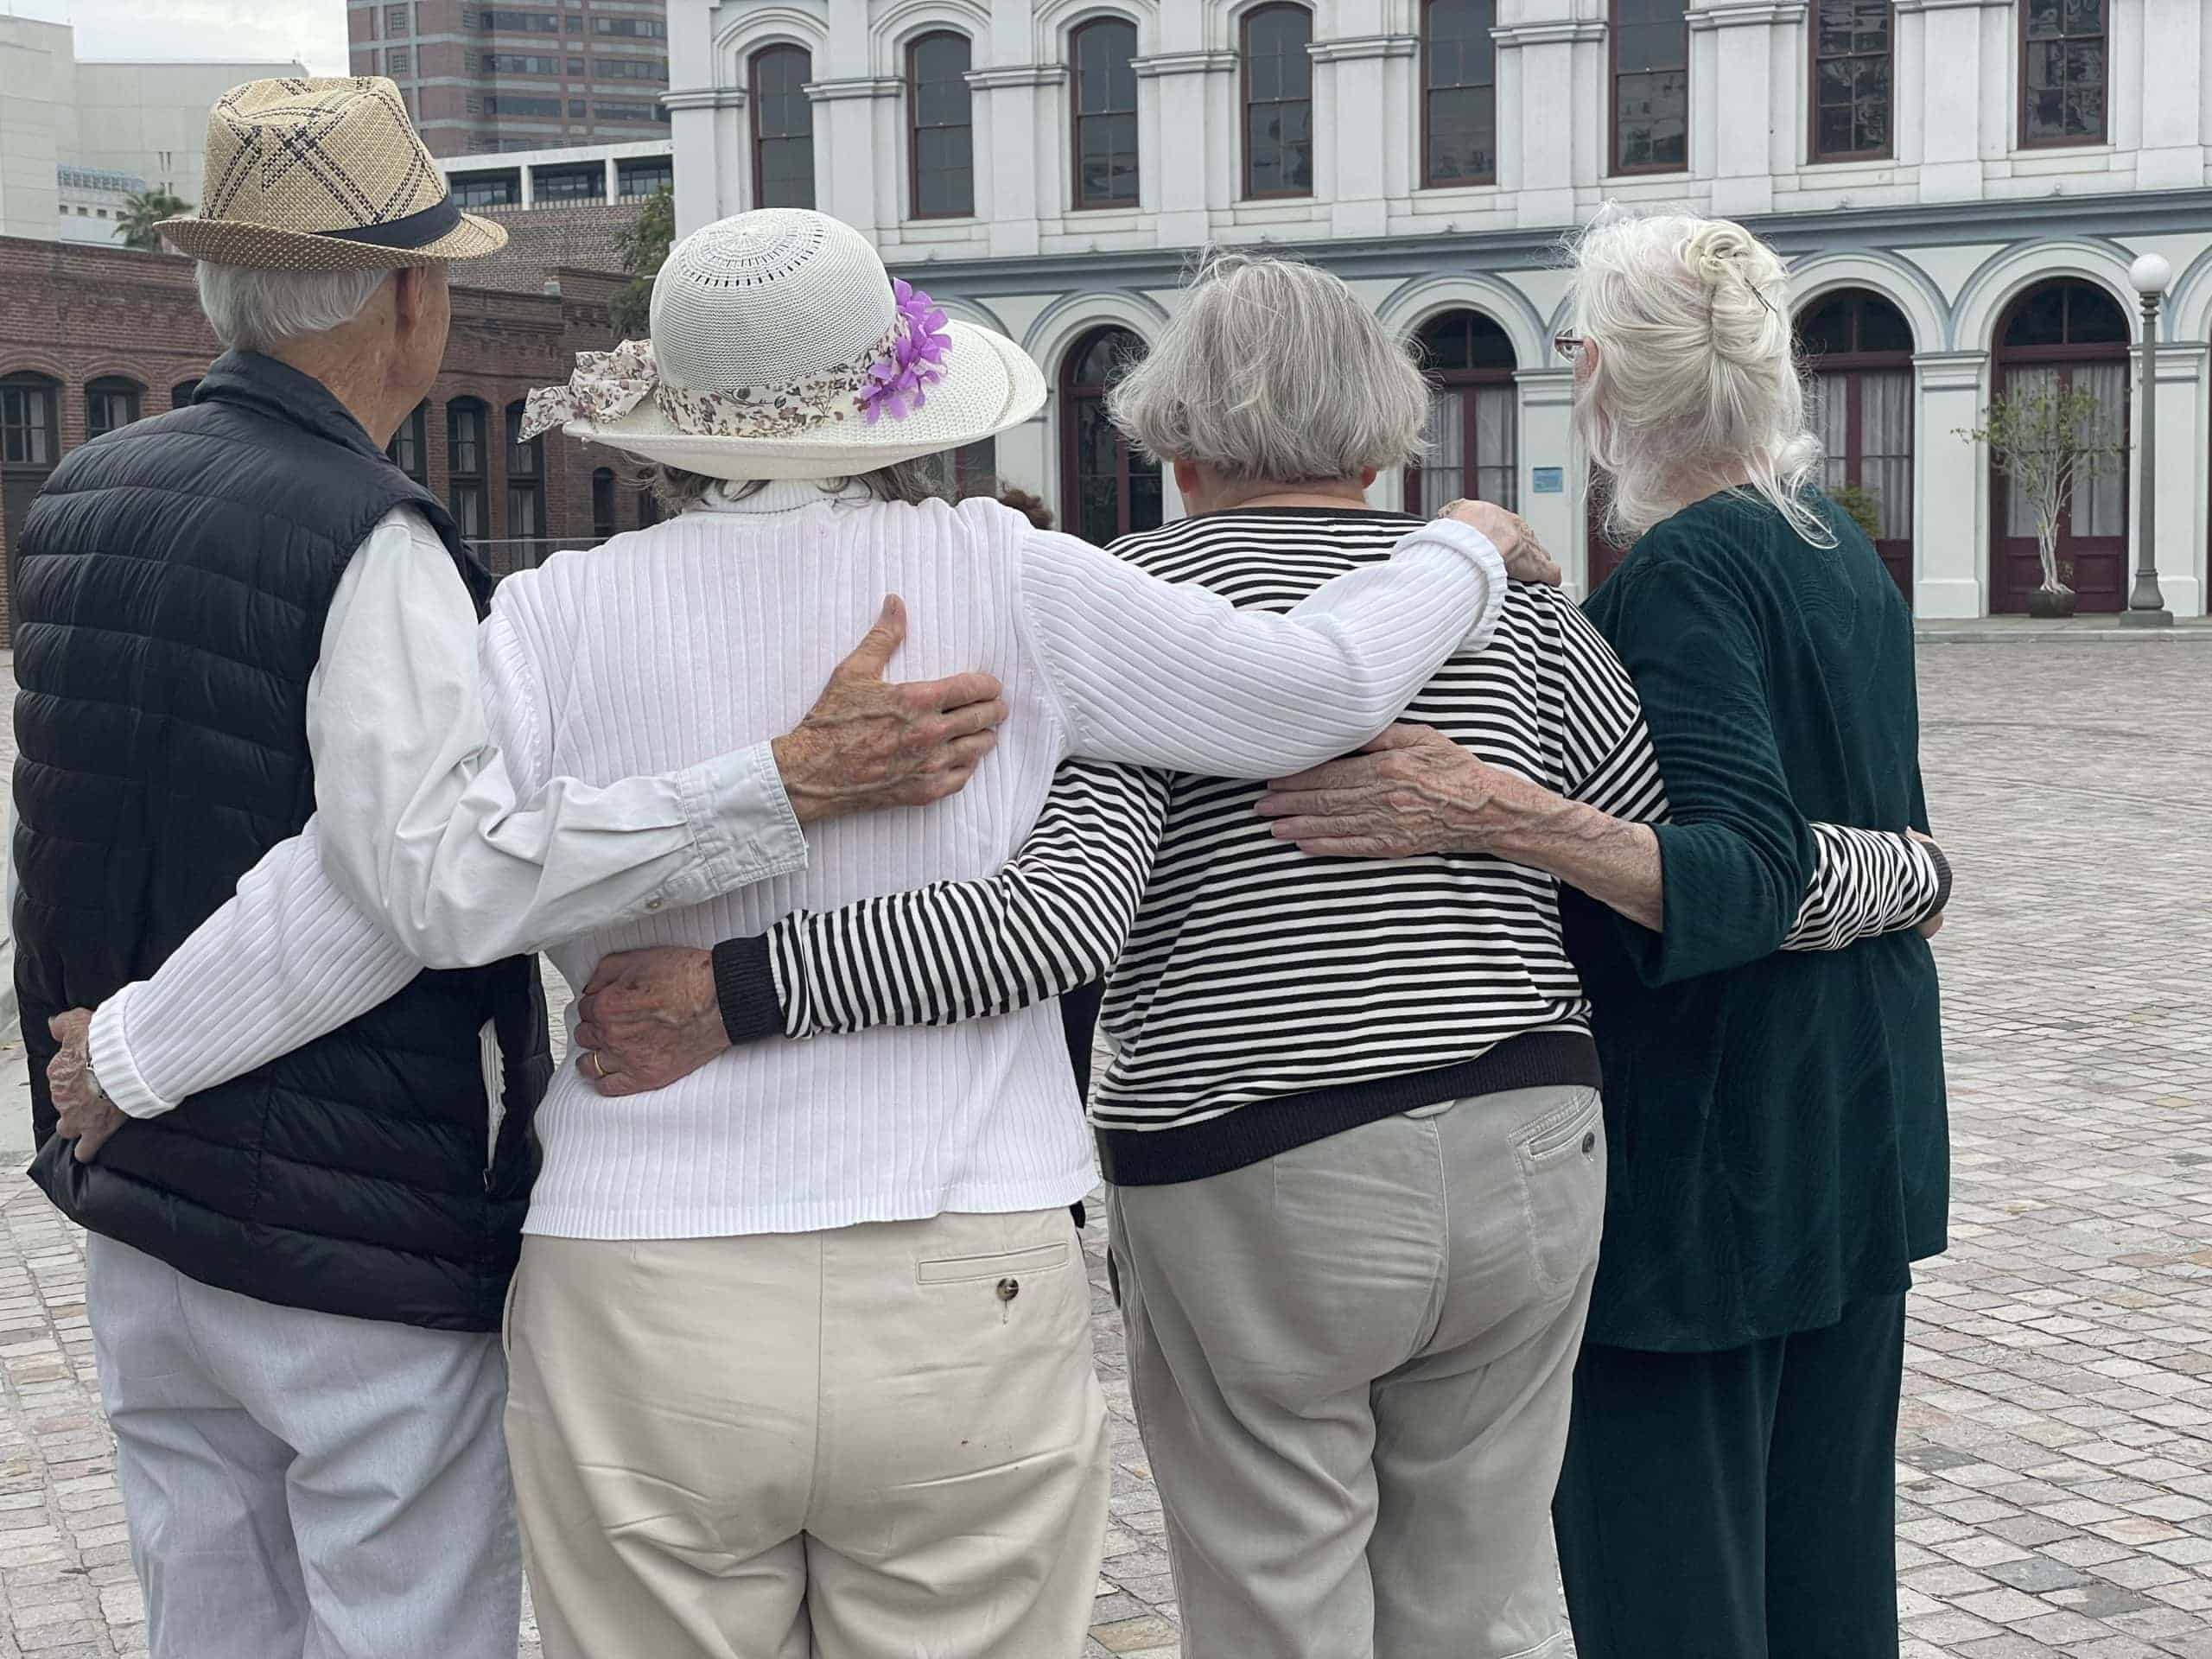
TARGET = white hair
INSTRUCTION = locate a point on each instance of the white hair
(257, 310)
(1273, 370)
(1696, 369)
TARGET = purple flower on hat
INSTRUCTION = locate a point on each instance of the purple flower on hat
(896, 381)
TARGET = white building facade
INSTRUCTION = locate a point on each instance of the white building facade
(1960, 186)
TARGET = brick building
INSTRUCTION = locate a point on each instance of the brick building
(525, 75)
(93, 337)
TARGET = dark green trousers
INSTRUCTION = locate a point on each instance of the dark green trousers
(1740, 1504)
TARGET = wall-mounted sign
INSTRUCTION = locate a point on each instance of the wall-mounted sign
(1548, 480)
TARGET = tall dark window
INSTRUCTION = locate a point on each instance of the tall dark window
(2063, 71)
(783, 128)
(409, 448)
(1851, 79)
(29, 434)
(465, 464)
(109, 404)
(1278, 101)
(941, 133)
(1459, 109)
(1106, 489)
(1471, 445)
(1105, 54)
(603, 504)
(1651, 85)
(525, 481)
(1859, 398)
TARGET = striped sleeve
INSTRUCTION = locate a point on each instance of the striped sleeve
(1606, 748)
(1055, 918)
(1867, 882)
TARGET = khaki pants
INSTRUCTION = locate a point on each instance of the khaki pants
(881, 1442)
(1353, 1366)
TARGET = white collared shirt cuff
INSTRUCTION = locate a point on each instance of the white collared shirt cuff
(113, 1064)
(1480, 551)
(741, 824)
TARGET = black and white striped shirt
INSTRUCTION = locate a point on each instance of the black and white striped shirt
(1264, 999)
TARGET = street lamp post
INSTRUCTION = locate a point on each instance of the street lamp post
(2146, 605)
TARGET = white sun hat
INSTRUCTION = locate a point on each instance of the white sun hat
(781, 348)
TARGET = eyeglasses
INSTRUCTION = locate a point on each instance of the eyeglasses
(1567, 346)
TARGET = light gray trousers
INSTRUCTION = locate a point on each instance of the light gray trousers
(302, 1486)
(1352, 1364)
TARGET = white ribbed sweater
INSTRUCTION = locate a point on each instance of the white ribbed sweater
(717, 629)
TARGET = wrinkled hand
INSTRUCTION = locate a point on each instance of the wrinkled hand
(868, 744)
(1509, 532)
(647, 1018)
(1410, 791)
(87, 1115)
(1931, 926)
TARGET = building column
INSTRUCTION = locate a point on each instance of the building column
(1352, 81)
(1973, 42)
(2181, 444)
(1950, 486)
(1015, 97)
(707, 128)
(1544, 68)
(1545, 443)
(1752, 110)
(2172, 104)
(846, 155)
(614, 181)
(1184, 152)
(1022, 458)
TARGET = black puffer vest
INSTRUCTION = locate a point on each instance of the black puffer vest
(171, 585)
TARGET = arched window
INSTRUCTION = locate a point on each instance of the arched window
(409, 448)
(1852, 62)
(1106, 489)
(1458, 112)
(465, 466)
(940, 136)
(30, 443)
(1860, 402)
(110, 402)
(180, 394)
(2072, 336)
(603, 504)
(1278, 101)
(1105, 53)
(1650, 41)
(783, 128)
(1471, 445)
(525, 486)
(2064, 72)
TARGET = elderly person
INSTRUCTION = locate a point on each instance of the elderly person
(1780, 1156)
(297, 1261)
(1352, 1124)
(800, 1348)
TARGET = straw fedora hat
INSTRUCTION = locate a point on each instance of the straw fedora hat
(781, 348)
(324, 175)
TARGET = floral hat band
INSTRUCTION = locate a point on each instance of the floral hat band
(890, 379)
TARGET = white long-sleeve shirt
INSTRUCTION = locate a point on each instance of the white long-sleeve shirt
(1132, 669)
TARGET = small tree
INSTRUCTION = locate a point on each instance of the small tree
(643, 248)
(1861, 505)
(142, 210)
(2048, 438)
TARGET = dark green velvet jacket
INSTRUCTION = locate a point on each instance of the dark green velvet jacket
(1779, 1143)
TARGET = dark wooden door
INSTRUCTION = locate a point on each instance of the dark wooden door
(2093, 532)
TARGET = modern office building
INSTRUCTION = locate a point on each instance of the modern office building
(481, 79)
(1961, 186)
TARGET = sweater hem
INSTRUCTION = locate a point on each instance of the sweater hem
(1263, 1129)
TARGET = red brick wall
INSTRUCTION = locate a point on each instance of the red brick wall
(75, 314)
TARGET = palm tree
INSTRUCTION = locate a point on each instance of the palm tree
(144, 209)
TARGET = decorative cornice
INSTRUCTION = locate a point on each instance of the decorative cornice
(1364, 45)
(705, 98)
(829, 92)
(1019, 74)
(1904, 6)
(1759, 14)
(1184, 63)
(1546, 35)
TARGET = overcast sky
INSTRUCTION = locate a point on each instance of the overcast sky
(312, 31)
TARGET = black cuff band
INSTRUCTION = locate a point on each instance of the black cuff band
(1942, 877)
(745, 987)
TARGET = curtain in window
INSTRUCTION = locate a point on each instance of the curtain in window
(1886, 447)
(2101, 503)
(1444, 445)
(1496, 464)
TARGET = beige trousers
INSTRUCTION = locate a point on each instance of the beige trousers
(881, 1442)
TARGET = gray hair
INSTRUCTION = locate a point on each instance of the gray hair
(259, 310)
(1273, 370)
(1696, 369)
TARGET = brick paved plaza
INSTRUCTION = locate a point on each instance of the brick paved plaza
(2056, 1468)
